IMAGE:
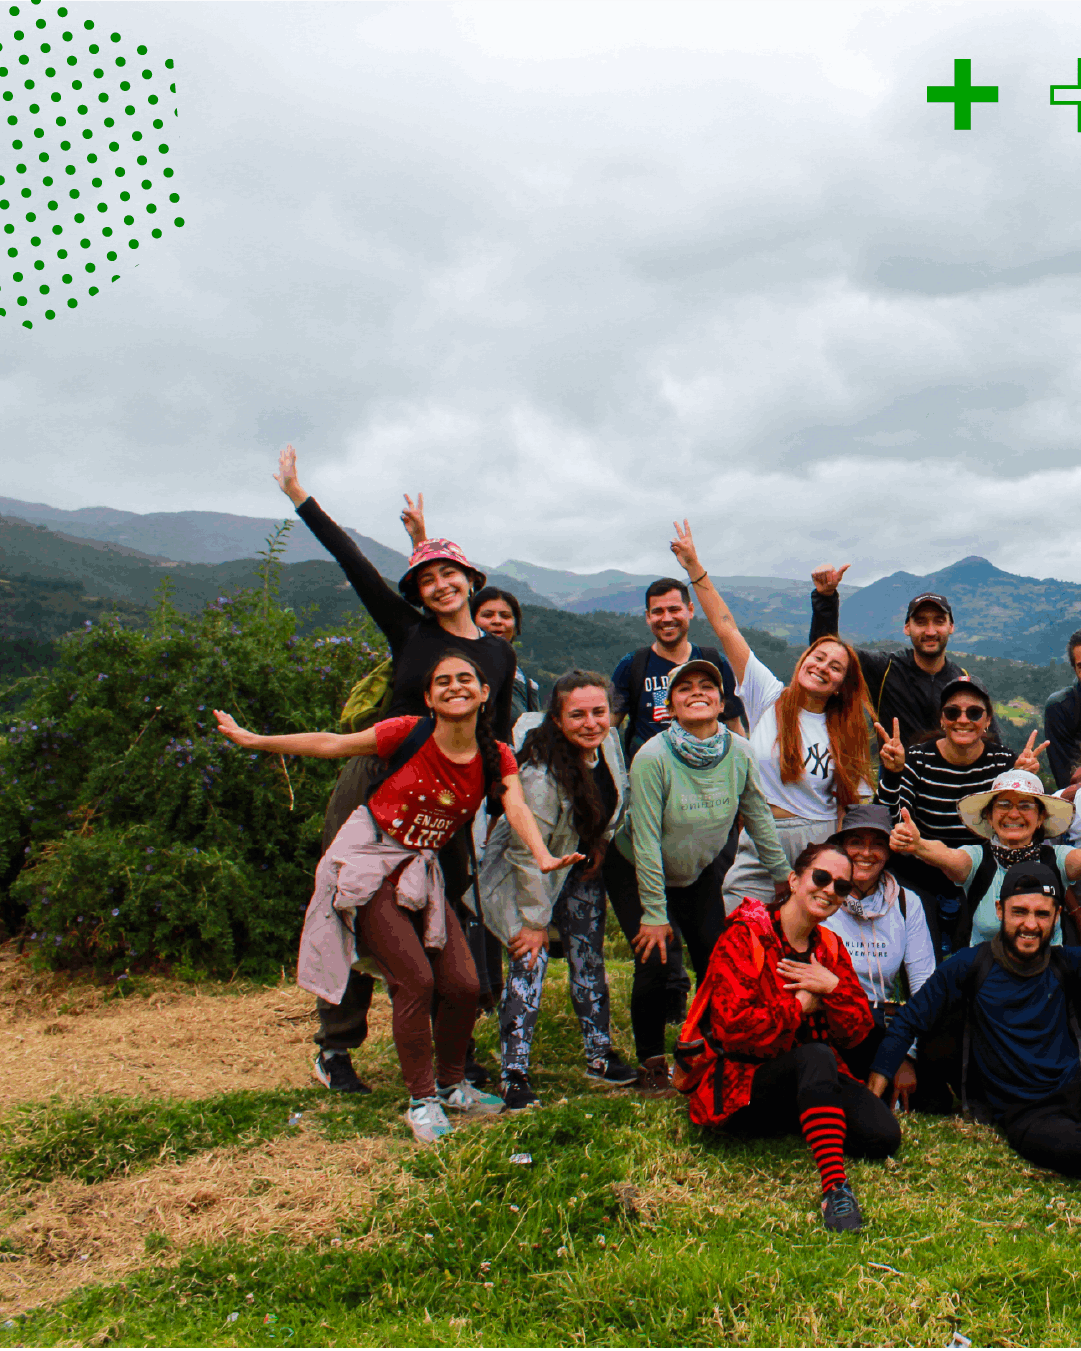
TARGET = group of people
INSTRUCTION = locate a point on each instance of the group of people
(858, 941)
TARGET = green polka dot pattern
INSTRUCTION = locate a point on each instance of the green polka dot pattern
(88, 174)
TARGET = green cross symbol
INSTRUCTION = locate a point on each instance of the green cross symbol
(962, 94)
(1069, 93)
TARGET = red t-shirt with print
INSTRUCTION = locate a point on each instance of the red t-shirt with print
(430, 797)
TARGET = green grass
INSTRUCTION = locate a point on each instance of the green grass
(630, 1228)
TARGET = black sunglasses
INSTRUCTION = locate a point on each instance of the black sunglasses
(954, 712)
(821, 878)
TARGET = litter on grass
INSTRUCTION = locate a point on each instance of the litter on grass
(521, 1158)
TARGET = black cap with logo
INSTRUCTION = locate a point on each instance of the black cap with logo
(1031, 879)
(928, 598)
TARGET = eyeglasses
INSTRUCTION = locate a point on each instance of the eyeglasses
(1004, 804)
(973, 712)
(822, 879)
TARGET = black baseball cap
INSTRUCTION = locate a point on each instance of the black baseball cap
(1031, 879)
(964, 684)
(928, 598)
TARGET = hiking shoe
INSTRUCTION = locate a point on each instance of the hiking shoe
(427, 1120)
(518, 1092)
(336, 1072)
(612, 1071)
(471, 1101)
(475, 1073)
(840, 1210)
(654, 1078)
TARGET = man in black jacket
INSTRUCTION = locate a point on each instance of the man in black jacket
(905, 685)
(1018, 996)
(1062, 720)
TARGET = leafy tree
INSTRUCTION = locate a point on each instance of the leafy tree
(131, 832)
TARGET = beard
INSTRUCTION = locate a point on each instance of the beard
(1025, 959)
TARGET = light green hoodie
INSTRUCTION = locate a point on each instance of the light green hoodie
(680, 818)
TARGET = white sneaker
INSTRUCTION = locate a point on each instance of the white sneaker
(465, 1098)
(427, 1120)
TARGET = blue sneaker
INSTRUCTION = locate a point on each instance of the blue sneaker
(468, 1100)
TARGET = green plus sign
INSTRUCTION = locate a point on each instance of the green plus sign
(962, 94)
(1069, 93)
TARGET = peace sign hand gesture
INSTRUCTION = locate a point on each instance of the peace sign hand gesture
(413, 519)
(683, 548)
(891, 752)
(827, 579)
(1028, 759)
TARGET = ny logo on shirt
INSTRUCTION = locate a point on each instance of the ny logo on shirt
(822, 765)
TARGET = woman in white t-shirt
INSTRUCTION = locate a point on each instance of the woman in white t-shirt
(809, 737)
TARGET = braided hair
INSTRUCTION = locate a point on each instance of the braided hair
(485, 733)
(546, 745)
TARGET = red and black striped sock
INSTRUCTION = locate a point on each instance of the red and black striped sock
(824, 1130)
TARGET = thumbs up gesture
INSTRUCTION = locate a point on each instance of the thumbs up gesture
(891, 752)
(827, 579)
(905, 838)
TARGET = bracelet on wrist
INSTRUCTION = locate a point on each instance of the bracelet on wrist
(696, 580)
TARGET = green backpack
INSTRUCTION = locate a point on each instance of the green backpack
(369, 699)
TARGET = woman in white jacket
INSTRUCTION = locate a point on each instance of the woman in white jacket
(573, 778)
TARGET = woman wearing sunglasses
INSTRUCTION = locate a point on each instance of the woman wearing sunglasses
(929, 779)
(784, 1001)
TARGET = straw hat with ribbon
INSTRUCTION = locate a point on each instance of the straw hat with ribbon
(1019, 781)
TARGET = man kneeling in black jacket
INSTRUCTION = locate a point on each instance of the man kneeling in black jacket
(1018, 996)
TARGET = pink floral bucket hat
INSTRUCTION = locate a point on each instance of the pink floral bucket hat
(436, 551)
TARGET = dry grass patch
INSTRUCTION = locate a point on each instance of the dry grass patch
(301, 1186)
(66, 1037)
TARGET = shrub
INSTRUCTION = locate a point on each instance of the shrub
(131, 831)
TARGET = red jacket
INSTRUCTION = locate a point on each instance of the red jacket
(748, 1013)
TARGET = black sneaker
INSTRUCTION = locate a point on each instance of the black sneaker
(475, 1073)
(337, 1074)
(840, 1210)
(517, 1093)
(612, 1071)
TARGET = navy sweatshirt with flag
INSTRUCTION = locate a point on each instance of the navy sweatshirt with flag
(1021, 1040)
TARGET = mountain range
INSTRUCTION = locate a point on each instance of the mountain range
(122, 555)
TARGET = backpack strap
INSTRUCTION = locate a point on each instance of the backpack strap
(635, 681)
(981, 882)
(882, 689)
(978, 973)
(902, 902)
(405, 752)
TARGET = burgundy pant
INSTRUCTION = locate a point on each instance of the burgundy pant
(393, 936)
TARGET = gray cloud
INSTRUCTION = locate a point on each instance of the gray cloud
(573, 283)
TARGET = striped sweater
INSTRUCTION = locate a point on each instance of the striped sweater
(930, 787)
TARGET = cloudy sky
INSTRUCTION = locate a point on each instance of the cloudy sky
(576, 269)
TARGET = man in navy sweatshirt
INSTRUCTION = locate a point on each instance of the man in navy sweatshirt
(1023, 1051)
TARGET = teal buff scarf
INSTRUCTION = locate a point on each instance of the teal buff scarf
(695, 753)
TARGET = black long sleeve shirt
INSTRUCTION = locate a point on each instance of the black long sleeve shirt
(416, 640)
(898, 687)
(1062, 727)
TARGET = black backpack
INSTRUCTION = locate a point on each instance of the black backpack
(982, 880)
(731, 705)
(980, 970)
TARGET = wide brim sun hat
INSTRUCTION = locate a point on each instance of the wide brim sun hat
(1059, 812)
(436, 551)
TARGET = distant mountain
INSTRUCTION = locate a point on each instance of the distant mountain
(996, 613)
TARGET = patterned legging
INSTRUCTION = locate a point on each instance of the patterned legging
(579, 916)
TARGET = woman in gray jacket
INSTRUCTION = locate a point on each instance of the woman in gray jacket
(572, 775)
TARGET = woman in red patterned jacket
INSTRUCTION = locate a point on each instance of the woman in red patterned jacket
(782, 995)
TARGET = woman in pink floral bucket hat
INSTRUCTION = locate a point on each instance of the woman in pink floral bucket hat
(425, 619)
(1016, 818)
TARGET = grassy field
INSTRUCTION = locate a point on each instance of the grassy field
(157, 1194)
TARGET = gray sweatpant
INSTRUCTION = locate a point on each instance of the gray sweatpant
(747, 877)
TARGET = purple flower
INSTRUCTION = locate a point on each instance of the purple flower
(115, 913)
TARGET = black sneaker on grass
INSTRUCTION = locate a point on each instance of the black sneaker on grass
(840, 1210)
(612, 1071)
(517, 1092)
(336, 1072)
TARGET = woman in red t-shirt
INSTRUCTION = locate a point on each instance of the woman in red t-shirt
(383, 867)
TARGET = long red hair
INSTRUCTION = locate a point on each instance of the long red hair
(846, 723)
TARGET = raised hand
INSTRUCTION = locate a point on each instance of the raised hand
(891, 752)
(228, 726)
(828, 579)
(905, 837)
(287, 476)
(1029, 758)
(683, 548)
(413, 519)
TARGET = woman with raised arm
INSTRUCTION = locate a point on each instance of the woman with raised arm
(380, 886)
(495, 611)
(810, 738)
(429, 617)
(574, 782)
